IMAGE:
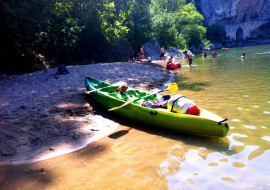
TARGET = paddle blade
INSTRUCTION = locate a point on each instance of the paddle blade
(172, 87)
(127, 103)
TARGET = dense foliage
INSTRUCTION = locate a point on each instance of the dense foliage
(175, 23)
(86, 30)
(216, 33)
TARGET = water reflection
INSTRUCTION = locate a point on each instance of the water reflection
(239, 92)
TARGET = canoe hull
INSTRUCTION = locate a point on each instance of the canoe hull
(160, 117)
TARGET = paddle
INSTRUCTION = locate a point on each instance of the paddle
(115, 84)
(171, 87)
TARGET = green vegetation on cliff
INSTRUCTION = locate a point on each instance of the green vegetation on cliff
(77, 30)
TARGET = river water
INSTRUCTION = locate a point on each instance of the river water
(140, 157)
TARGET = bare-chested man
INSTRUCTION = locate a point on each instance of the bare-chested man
(214, 54)
(162, 51)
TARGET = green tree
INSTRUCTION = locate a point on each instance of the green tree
(175, 23)
(20, 22)
(70, 30)
(103, 26)
(58, 39)
(163, 24)
(190, 22)
(138, 22)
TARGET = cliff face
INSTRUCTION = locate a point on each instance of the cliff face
(242, 18)
(234, 11)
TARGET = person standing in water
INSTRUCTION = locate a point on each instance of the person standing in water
(214, 54)
(204, 53)
(243, 56)
(190, 59)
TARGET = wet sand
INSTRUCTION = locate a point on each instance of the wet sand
(43, 117)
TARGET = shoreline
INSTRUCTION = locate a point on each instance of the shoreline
(42, 117)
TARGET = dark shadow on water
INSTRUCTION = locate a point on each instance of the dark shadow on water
(196, 86)
(15, 177)
(214, 144)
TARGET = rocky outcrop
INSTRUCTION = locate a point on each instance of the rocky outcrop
(234, 11)
(123, 49)
(174, 52)
(152, 49)
(263, 30)
(242, 19)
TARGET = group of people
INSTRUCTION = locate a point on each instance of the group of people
(214, 53)
(170, 64)
(162, 52)
(173, 65)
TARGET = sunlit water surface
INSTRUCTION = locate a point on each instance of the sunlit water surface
(139, 157)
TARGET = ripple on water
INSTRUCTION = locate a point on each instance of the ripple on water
(239, 164)
(256, 106)
(224, 160)
(236, 120)
(227, 179)
(203, 148)
(263, 127)
(266, 138)
(213, 164)
(267, 112)
(249, 127)
(245, 96)
(239, 135)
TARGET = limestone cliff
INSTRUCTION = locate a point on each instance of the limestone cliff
(235, 11)
(248, 15)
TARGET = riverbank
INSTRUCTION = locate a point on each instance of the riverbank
(42, 116)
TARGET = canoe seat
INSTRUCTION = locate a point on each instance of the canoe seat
(116, 95)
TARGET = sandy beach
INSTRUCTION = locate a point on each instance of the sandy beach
(42, 116)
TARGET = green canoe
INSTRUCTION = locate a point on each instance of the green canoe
(207, 123)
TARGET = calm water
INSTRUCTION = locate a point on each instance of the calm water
(139, 157)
